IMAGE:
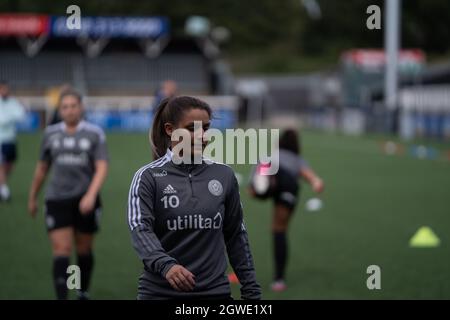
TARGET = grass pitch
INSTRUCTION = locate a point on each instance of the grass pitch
(373, 205)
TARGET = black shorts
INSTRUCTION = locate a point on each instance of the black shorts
(8, 152)
(66, 213)
(286, 190)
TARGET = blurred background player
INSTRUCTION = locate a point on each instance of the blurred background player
(284, 189)
(77, 152)
(11, 112)
(52, 98)
(167, 89)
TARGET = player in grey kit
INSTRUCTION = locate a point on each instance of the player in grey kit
(284, 189)
(185, 218)
(76, 151)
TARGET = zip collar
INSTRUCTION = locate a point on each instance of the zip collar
(185, 167)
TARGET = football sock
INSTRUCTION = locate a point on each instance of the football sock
(86, 264)
(60, 265)
(280, 254)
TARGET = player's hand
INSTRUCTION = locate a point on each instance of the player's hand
(318, 185)
(180, 278)
(87, 203)
(32, 207)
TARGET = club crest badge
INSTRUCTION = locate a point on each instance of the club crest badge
(215, 187)
(84, 144)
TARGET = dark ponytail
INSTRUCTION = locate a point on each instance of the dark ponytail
(158, 137)
(290, 141)
(171, 110)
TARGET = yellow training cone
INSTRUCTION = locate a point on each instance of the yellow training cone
(424, 238)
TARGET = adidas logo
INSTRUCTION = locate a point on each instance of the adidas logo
(169, 190)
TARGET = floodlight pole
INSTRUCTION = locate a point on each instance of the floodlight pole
(391, 46)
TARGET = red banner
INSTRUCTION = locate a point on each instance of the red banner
(24, 24)
(377, 58)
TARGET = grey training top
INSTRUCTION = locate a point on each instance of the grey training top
(72, 158)
(189, 215)
(291, 162)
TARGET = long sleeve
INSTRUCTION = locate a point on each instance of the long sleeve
(15, 113)
(238, 249)
(141, 217)
(19, 112)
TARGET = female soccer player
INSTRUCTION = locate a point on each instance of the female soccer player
(11, 112)
(76, 151)
(284, 189)
(184, 216)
